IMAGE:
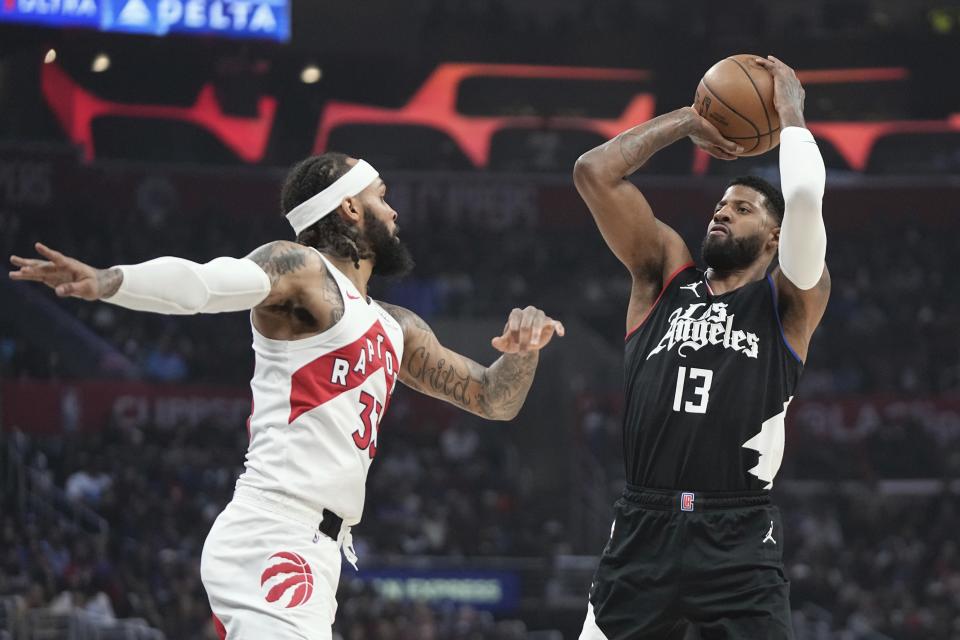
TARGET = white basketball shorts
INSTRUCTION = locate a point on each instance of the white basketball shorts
(268, 571)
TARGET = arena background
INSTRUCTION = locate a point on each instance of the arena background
(121, 434)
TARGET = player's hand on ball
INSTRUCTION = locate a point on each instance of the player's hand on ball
(527, 330)
(788, 93)
(65, 275)
(707, 137)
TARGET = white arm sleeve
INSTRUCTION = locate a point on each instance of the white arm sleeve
(177, 286)
(803, 238)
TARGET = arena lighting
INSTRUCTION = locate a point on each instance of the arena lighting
(941, 21)
(51, 56)
(311, 74)
(101, 62)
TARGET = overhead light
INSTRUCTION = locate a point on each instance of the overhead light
(311, 74)
(50, 57)
(101, 62)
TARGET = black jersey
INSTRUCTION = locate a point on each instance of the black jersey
(708, 381)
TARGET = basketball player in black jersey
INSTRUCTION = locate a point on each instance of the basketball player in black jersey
(712, 361)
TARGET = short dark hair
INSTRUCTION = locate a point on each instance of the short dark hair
(772, 196)
(306, 179)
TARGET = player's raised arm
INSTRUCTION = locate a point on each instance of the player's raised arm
(173, 285)
(496, 392)
(648, 248)
(802, 278)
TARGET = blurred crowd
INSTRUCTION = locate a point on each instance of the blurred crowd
(890, 564)
(865, 560)
(159, 491)
(459, 495)
(890, 325)
(575, 19)
(365, 615)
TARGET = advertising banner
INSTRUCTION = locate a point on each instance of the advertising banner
(251, 19)
(490, 590)
(65, 407)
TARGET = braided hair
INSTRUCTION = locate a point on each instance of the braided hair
(331, 234)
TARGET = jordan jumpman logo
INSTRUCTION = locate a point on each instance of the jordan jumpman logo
(769, 535)
(693, 287)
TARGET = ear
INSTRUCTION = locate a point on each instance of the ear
(350, 210)
(775, 237)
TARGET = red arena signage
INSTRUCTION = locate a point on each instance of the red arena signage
(434, 105)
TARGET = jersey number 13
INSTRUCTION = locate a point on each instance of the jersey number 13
(700, 381)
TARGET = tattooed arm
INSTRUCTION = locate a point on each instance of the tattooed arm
(649, 249)
(304, 298)
(284, 262)
(496, 392)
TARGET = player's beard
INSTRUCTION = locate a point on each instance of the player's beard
(726, 253)
(391, 256)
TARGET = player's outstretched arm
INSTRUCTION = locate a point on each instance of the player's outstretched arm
(171, 285)
(496, 392)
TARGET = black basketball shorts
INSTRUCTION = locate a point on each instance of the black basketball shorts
(675, 559)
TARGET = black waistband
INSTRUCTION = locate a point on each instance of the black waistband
(331, 524)
(671, 500)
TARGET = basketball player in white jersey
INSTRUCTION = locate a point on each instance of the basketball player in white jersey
(327, 359)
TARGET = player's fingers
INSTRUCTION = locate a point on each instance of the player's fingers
(513, 330)
(42, 272)
(67, 289)
(26, 275)
(538, 331)
(783, 67)
(79, 289)
(550, 327)
(720, 154)
(27, 262)
(718, 142)
(714, 137)
(778, 61)
(528, 317)
(499, 343)
(51, 255)
(503, 345)
(42, 267)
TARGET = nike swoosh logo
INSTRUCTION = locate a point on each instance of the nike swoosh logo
(353, 297)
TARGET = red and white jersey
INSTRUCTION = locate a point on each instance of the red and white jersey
(317, 404)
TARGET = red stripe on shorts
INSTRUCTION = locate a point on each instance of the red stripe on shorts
(218, 626)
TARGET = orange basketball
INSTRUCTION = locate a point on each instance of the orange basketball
(736, 96)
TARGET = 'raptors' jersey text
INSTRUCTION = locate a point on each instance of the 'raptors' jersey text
(318, 403)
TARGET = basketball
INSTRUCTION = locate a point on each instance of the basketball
(736, 96)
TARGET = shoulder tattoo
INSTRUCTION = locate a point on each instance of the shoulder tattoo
(406, 318)
(279, 258)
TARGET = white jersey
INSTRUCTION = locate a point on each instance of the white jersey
(317, 404)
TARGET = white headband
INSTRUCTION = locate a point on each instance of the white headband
(358, 178)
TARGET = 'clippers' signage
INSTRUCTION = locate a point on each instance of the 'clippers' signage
(265, 19)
